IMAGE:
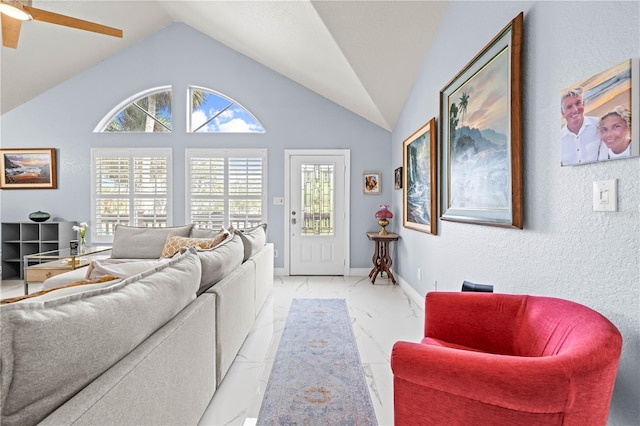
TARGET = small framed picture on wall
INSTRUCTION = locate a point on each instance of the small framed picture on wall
(397, 178)
(372, 183)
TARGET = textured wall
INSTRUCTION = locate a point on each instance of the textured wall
(566, 250)
(293, 116)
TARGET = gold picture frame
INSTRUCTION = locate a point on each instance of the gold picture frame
(28, 168)
(419, 175)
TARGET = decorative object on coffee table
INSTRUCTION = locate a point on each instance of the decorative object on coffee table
(82, 231)
(39, 216)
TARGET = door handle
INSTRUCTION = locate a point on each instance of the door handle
(293, 221)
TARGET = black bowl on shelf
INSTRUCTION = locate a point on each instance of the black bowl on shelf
(39, 216)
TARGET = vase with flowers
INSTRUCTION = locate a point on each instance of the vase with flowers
(82, 231)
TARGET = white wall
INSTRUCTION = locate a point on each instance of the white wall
(294, 117)
(565, 250)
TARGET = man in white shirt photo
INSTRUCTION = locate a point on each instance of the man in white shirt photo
(580, 136)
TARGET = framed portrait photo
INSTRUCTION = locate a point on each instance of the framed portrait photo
(419, 164)
(371, 183)
(28, 168)
(481, 135)
(600, 117)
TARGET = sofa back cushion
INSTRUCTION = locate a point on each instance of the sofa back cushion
(50, 350)
(133, 242)
(219, 261)
(253, 239)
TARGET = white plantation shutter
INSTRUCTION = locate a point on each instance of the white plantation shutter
(131, 187)
(226, 187)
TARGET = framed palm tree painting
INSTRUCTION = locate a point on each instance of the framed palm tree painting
(481, 136)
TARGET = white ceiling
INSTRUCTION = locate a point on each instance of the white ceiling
(363, 55)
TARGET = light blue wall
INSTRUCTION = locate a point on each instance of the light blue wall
(565, 250)
(294, 118)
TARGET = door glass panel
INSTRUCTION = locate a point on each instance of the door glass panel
(317, 199)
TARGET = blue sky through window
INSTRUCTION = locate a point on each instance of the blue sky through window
(219, 114)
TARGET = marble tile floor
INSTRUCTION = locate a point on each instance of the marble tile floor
(381, 314)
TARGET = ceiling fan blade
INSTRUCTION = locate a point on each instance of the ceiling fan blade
(67, 21)
(10, 31)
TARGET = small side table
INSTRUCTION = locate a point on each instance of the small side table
(381, 258)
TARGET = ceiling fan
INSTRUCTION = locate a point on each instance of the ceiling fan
(15, 11)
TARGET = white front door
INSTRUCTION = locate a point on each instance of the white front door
(317, 211)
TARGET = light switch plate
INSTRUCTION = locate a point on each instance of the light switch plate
(605, 195)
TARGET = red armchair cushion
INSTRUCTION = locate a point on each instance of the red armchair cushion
(506, 359)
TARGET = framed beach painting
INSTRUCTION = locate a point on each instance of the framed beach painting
(419, 164)
(371, 181)
(28, 168)
(481, 135)
(599, 117)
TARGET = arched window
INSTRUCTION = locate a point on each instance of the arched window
(213, 112)
(149, 112)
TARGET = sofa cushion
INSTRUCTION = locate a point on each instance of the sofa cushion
(50, 350)
(64, 290)
(174, 243)
(253, 239)
(206, 233)
(219, 261)
(122, 268)
(133, 242)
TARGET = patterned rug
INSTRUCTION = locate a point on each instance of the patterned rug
(317, 377)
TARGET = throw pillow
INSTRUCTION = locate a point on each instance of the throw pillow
(205, 233)
(122, 268)
(133, 242)
(253, 239)
(52, 293)
(175, 243)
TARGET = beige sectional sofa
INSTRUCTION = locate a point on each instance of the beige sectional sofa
(151, 348)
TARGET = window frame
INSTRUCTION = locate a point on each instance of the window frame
(131, 153)
(226, 154)
(232, 103)
(121, 106)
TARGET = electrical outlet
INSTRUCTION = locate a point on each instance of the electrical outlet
(275, 252)
(419, 274)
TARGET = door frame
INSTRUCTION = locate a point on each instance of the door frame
(346, 154)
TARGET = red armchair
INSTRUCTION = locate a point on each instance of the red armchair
(501, 359)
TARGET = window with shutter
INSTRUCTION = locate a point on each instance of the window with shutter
(226, 187)
(130, 186)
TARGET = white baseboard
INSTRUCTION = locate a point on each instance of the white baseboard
(353, 272)
(363, 272)
(411, 292)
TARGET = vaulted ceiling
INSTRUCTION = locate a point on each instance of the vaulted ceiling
(363, 55)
